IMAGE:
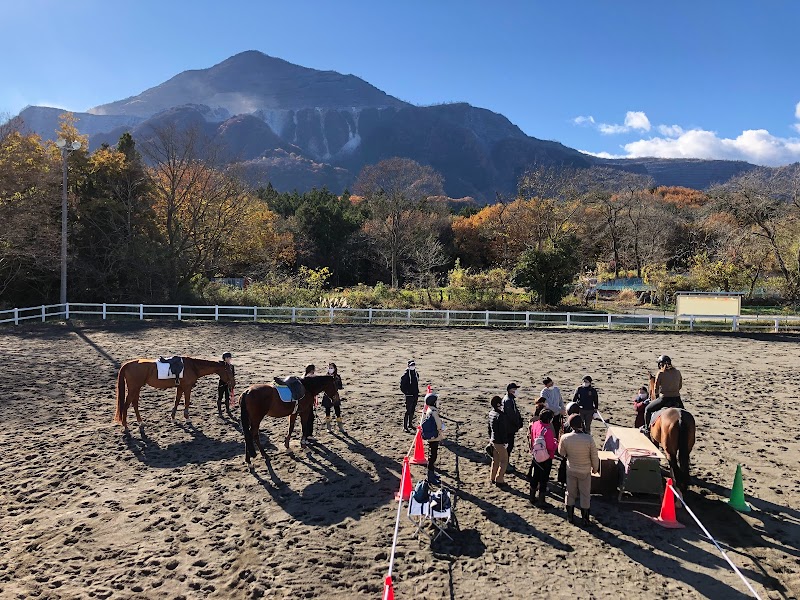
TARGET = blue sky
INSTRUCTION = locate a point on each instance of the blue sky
(714, 79)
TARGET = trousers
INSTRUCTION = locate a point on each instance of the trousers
(499, 463)
(578, 485)
(660, 403)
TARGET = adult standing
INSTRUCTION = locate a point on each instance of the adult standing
(666, 389)
(223, 391)
(586, 397)
(580, 452)
(552, 396)
(513, 418)
(409, 386)
(498, 436)
(432, 412)
(308, 427)
(540, 469)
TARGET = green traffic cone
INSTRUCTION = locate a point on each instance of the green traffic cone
(737, 501)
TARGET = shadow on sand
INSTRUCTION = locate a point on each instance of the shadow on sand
(198, 449)
(342, 490)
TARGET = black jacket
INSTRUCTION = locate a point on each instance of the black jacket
(497, 427)
(409, 383)
(586, 397)
(512, 415)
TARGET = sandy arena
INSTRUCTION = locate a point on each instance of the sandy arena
(172, 512)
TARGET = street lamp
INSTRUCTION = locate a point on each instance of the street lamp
(65, 148)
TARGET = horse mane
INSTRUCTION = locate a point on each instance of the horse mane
(203, 362)
(319, 378)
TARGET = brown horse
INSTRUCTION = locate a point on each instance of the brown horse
(137, 373)
(674, 431)
(259, 401)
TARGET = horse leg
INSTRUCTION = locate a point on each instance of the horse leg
(177, 400)
(257, 438)
(186, 394)
(135, 402)
(292, 419)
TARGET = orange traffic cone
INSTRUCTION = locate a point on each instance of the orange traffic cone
(405, 483)
(419, 450)
(388, 589)
(667, 516)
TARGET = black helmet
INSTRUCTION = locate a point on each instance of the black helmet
(226, 355)
(664, 360)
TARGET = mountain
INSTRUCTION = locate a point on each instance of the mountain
(299, 127)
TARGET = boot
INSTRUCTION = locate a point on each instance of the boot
(339, 423)
(542, 501)
(328, 424)
(585, 516)
(571, 514)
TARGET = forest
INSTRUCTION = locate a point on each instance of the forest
(162, 219)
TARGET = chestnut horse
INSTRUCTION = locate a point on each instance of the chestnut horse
(137, 373)
(674, 431)
(259, 401)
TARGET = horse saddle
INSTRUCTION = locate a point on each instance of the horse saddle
(290, 389)
(170, 368)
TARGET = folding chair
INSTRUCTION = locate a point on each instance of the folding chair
(417, 513)
(441, 518)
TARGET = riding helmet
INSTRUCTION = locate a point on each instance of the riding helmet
(227, 355)
(664, 360)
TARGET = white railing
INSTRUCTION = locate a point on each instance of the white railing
(387, 316)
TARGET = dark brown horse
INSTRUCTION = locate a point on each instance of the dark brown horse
(259, 401)
(674, 431)
(137, 373)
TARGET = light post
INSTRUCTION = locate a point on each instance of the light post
(65, 148)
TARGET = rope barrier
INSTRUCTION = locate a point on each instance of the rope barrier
(709, 536)
(396, 524)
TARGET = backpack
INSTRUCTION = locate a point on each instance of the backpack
(421, 492)
(429, 429)
(539, 448)
(440, 501)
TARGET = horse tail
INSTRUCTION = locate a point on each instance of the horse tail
(249, 448)
(686, 421)
(120, 394)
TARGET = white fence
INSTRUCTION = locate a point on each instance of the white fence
(384, 316)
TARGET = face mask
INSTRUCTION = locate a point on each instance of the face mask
(642, 396)
(586, 384)
(412, 368)
(330, 371)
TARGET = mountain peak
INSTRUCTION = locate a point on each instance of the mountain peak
(251, 81)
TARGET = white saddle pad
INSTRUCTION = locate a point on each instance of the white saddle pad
(164, 372)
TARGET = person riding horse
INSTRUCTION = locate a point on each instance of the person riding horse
(667, 388)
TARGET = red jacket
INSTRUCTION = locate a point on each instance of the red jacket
(549, 436)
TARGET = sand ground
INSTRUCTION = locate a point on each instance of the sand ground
(172, 512)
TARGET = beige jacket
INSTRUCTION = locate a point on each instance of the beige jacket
(581, 453)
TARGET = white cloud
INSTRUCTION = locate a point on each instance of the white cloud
(583, 120)
(603, 154)
(611, 129)
(758, 146)
(637, 120)
(671, 130)
(634, 120)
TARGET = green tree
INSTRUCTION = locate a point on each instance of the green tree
(548, 272)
